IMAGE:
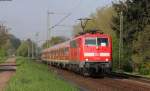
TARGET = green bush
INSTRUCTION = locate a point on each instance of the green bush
(2, 53)
(144, 70)
(127, 66)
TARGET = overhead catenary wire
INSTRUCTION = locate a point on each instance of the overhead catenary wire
(65, 17)
(59, 22)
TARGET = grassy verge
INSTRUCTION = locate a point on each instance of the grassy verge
(134, 74)
(31, 76)
(2, 59)
(137, 74)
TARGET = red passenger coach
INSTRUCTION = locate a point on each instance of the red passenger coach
(90, 53)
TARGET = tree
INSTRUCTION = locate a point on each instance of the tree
(14, 41)
(23, 49)
(135, 18)
(136, 21)
(26, 48)
(8, 42)
(11, 45)
(3, 35)
(141, 49)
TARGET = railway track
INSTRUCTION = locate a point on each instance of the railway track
(9, 65)
(132, 77)
(113, 82)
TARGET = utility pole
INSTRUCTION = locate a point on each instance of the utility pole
(36, 48)
(32, 49)
(28, 50)
(48, 27)
(121, 40)
(84, 22)
(47, 30)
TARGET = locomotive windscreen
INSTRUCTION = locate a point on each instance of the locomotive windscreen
(96, 41)
(102, 41)
(90, 41)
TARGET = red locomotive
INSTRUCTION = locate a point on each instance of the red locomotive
(90, 53)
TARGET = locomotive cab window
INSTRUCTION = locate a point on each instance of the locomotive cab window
(102, 41)
(90, 41)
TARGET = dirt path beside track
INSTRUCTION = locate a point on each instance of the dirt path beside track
(7, 70)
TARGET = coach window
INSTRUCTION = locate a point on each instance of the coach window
(66, 51)
(61, 52)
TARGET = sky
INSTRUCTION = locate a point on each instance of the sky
(25, 18)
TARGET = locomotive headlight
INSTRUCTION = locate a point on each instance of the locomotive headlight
(106, 59)
(97, 47)
(86, 59)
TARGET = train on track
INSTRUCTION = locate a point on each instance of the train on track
(88, 54)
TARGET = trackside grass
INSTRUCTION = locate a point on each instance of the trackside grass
(2, 59)
(31, 76)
